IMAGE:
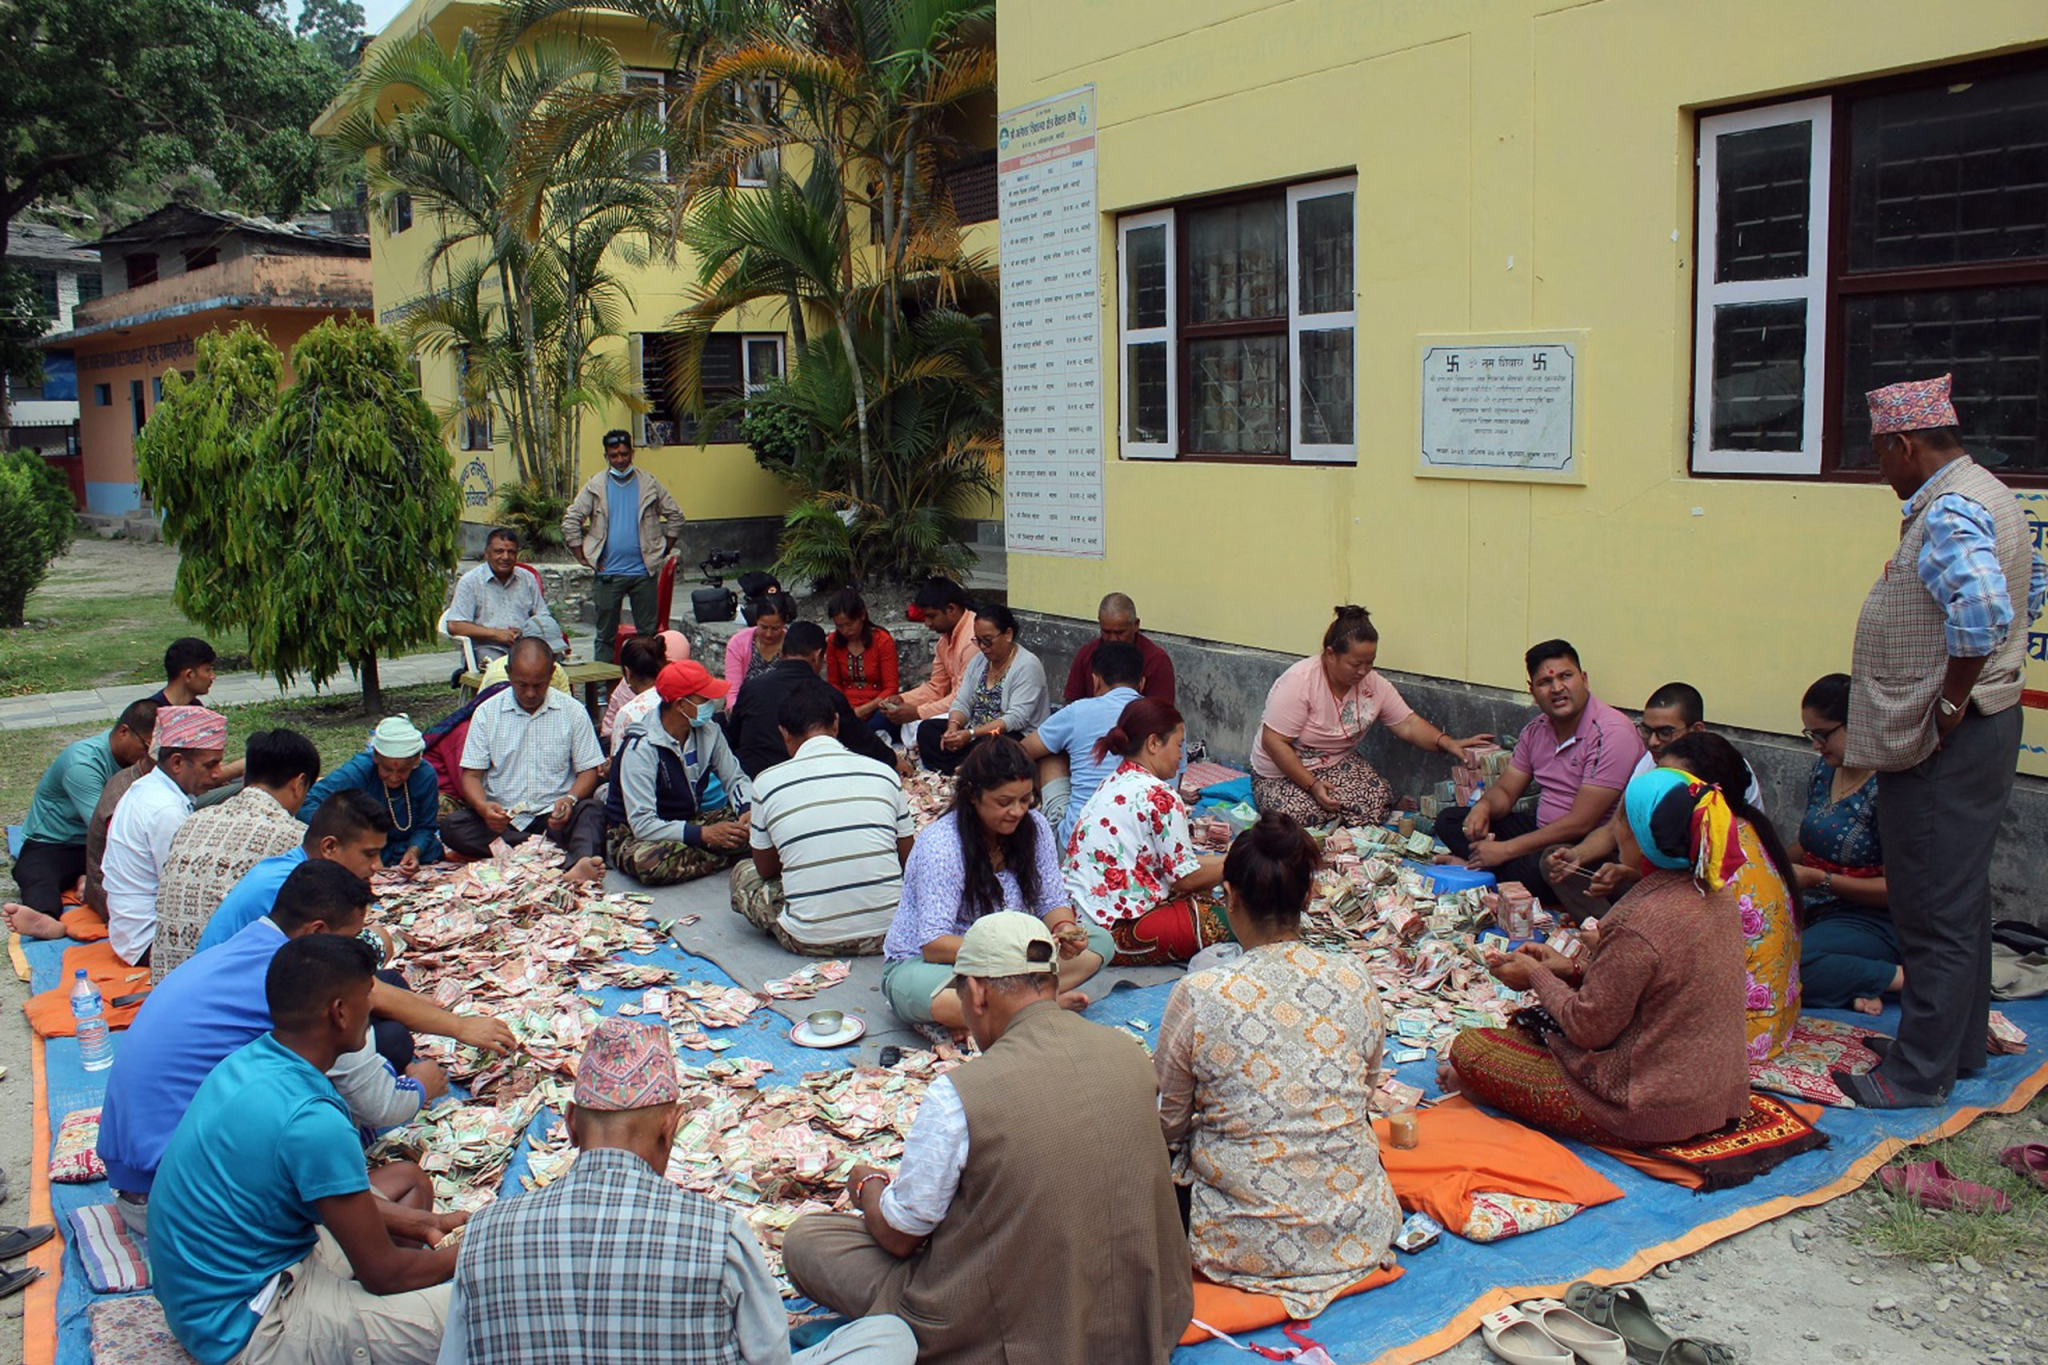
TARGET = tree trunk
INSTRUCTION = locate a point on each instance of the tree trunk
(373, 691)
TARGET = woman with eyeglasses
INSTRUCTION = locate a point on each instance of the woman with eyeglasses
(1002, 692)
(1849, 954)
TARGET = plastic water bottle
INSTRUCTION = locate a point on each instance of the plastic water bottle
(95, 1048)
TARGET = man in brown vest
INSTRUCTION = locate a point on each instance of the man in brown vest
(1934, 708)
(1033, 1220)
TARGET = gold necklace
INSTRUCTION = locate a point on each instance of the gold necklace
(405, 826)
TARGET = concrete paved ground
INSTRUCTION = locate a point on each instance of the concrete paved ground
(36, 710)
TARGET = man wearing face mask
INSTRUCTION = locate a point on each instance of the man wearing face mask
(530, 765)
(623, 524)
(679, 804)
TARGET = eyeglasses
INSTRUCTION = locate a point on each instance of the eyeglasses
(986, 641)
(1820, 737)
(1663, 734)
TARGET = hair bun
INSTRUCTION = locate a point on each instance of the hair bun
(1350, 610)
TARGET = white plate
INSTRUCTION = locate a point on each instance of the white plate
(852, 1027)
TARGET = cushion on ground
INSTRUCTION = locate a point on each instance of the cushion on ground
(132, 1331)
(116, 1260)
(1236, 1310)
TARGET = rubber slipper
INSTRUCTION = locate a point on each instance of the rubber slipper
(2030, 1159)
(1590, 1342)
(14, 1281)
(1932, 1185)
(1519, 1341)
(1693, 1351)
(1624, 1312)
(20, 1241)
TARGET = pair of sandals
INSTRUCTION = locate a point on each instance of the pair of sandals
(1594, 1325)
(20, 1242)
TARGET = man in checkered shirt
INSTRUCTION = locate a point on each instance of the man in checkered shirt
(614, 1265)
(529, 766)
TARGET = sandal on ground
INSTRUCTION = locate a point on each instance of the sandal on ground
(1624, 1312)
(1590, 1342)
(1519, 1341)
(14, 1281)
(1932, 1185)
(1693, 1351)
(2030, 1159)
(20, 1241)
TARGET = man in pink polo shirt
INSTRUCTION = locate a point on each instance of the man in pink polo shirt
(1579, 751)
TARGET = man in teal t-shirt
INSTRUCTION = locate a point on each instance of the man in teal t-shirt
(270, 1239)
(53, 836)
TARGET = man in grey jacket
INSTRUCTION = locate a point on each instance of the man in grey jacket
(623, 525)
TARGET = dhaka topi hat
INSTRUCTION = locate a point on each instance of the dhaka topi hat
(190, 727)
(397, 737)
(1915, 405)
(627, 1065)
(687, 679)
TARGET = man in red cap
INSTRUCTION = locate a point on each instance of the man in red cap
(614, 1264)
(679, 801)
(530, 765)
(1934, 707)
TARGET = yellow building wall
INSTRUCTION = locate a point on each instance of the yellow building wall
(713, 483)
(1522, 165)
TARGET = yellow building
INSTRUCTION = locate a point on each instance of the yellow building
(1722, 223)
(729, 499)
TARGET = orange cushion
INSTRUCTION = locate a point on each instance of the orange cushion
(83, 924)
(1240, 1310)
(1462, 1151)
(50, 1012)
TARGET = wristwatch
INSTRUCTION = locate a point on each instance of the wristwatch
(1949, 708)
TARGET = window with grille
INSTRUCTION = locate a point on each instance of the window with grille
(398, 213)
(1237, 327)
(476, 423)
(1891, 231)
(734, 364)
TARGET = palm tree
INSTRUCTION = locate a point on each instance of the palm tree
(520, 276)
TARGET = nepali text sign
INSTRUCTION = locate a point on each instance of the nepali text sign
(1052, 327)
(1497, 407)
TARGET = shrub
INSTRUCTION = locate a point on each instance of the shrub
(535, 513)
(26, 547)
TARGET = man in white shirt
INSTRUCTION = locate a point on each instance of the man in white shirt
(498, 602)
(830, 836)
(189, 744)
(529, 765)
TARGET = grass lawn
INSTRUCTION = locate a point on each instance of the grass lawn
(72, 643)
(337, 726)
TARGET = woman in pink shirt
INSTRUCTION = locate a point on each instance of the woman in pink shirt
(1307, 763)
(752, 650)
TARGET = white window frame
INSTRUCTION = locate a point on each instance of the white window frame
(1812, 290)
(769, 158)
(1128, 336)
(1299, 322)
(638, 76)
(749, 382)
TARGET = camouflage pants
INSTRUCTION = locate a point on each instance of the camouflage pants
(664, 862)
(760, 902)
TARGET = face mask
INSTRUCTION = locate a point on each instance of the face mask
(622, 475)
(707, 711)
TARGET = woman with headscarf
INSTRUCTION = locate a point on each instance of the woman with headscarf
(1643, 1041)
(390, 773)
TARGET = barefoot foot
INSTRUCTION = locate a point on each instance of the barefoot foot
(585, 870)
(30, 922)
(1073, 1000)
(1869, 1005)
(1447, 1078)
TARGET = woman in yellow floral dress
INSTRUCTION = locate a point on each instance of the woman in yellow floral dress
(1764, 893)
(1266, 1068)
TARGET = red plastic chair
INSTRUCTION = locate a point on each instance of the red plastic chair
(664, 600)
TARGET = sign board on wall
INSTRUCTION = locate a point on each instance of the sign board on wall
(1502, 407)
(1052, 327)
(2034, 699)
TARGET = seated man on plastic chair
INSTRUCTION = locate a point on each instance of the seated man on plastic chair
(497, 603)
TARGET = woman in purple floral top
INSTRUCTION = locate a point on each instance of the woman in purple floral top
(991, 852)
(1131, 866)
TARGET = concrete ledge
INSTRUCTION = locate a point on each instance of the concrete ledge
(1222, 692)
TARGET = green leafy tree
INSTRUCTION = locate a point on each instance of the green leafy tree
(356, 507)
(202, 439)
(335, 27)
(36, 525)
(92, 91)
(24, 317)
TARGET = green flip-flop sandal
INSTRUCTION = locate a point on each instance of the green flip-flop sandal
(1624, 1312)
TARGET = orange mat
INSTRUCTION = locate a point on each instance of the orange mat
(49, 1013)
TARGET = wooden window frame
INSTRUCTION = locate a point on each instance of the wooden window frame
(1821, 457)
(1180, 331)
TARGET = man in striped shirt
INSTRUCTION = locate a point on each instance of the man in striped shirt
(830, 835)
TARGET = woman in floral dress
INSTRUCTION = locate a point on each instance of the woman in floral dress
(1131, 864)
(1266, 1068)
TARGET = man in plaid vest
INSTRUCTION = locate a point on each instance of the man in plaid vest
(614, 1265)
(1934, 708)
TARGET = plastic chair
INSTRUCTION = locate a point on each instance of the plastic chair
(664, 602)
